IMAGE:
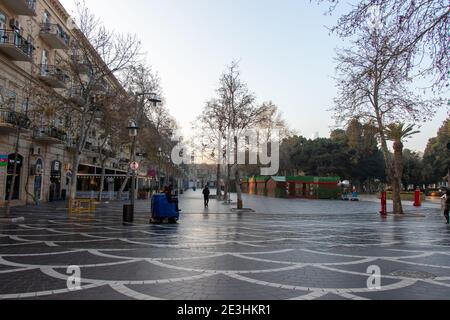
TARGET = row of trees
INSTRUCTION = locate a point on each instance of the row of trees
(354, 154)
(392, 44)
(107, 83)
(224, 121)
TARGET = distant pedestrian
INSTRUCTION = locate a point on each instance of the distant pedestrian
(206, 194)
(447, 206)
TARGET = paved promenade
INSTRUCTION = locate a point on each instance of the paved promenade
(287, 249)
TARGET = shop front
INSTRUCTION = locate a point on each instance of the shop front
(17, 162)
(55, 181)
(37, 185)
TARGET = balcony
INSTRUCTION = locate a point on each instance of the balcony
(76, 95)
(80, 63)
(22, 7)
(10, 120)
(54, 36)
(53, 76)
(49, 135)
(71, 144)
(13, 45)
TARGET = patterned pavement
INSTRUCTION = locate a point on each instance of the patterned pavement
(288, 249)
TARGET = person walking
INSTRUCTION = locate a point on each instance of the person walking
(206, 194)
(447, 206)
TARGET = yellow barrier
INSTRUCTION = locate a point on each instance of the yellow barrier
(79, 206)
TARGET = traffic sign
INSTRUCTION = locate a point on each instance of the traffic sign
(134, 166)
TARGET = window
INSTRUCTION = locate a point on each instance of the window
(8, 98)
(25, 106)
(2, 27)
(44, 62)
(46, 17)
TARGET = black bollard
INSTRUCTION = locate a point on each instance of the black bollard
(128, 213)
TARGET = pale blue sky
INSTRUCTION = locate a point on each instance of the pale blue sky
(286, 54)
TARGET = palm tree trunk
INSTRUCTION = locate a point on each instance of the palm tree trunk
(397, 178)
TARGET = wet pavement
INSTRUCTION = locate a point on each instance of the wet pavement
(286, 249)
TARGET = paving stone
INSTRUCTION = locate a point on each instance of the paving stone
(281, 251)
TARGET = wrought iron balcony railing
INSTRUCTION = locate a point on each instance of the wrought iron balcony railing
(50, 132)
(55, 36)
(22, 7)
(11, 117)
(53, 76)
(14, 45)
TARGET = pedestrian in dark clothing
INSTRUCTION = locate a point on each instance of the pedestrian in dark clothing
(206, 194)
(447, 206)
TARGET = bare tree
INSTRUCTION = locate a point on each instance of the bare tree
(241, 113)
(374, 84)
(97, 58)
(148, 109)
(422, 27)
(211, 128)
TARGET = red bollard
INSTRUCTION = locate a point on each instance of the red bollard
(383, 211)
(417, 198)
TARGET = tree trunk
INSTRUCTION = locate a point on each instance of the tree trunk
(397, 178)
(14, 175)
(237, 178)
(102, 180)
(81, 143)
(448, 176)
(227, 184)
(74, 179)
(218, 191)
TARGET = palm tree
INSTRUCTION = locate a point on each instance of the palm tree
(398, 133)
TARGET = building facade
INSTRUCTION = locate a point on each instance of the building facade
(36, 36)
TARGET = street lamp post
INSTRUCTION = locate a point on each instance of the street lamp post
(159, 167)
(129, 209)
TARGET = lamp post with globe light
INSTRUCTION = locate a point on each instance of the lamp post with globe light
(133, 129)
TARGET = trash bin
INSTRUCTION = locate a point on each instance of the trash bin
(163, 210)
(128, 213)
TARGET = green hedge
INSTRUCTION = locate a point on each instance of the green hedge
(406, 196)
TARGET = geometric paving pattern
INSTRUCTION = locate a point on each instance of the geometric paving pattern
(311, 250)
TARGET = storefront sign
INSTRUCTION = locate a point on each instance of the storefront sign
(13, 159)
(56, 168)
(3, 160)
(134, 166)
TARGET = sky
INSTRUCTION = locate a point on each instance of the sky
(284, 48)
